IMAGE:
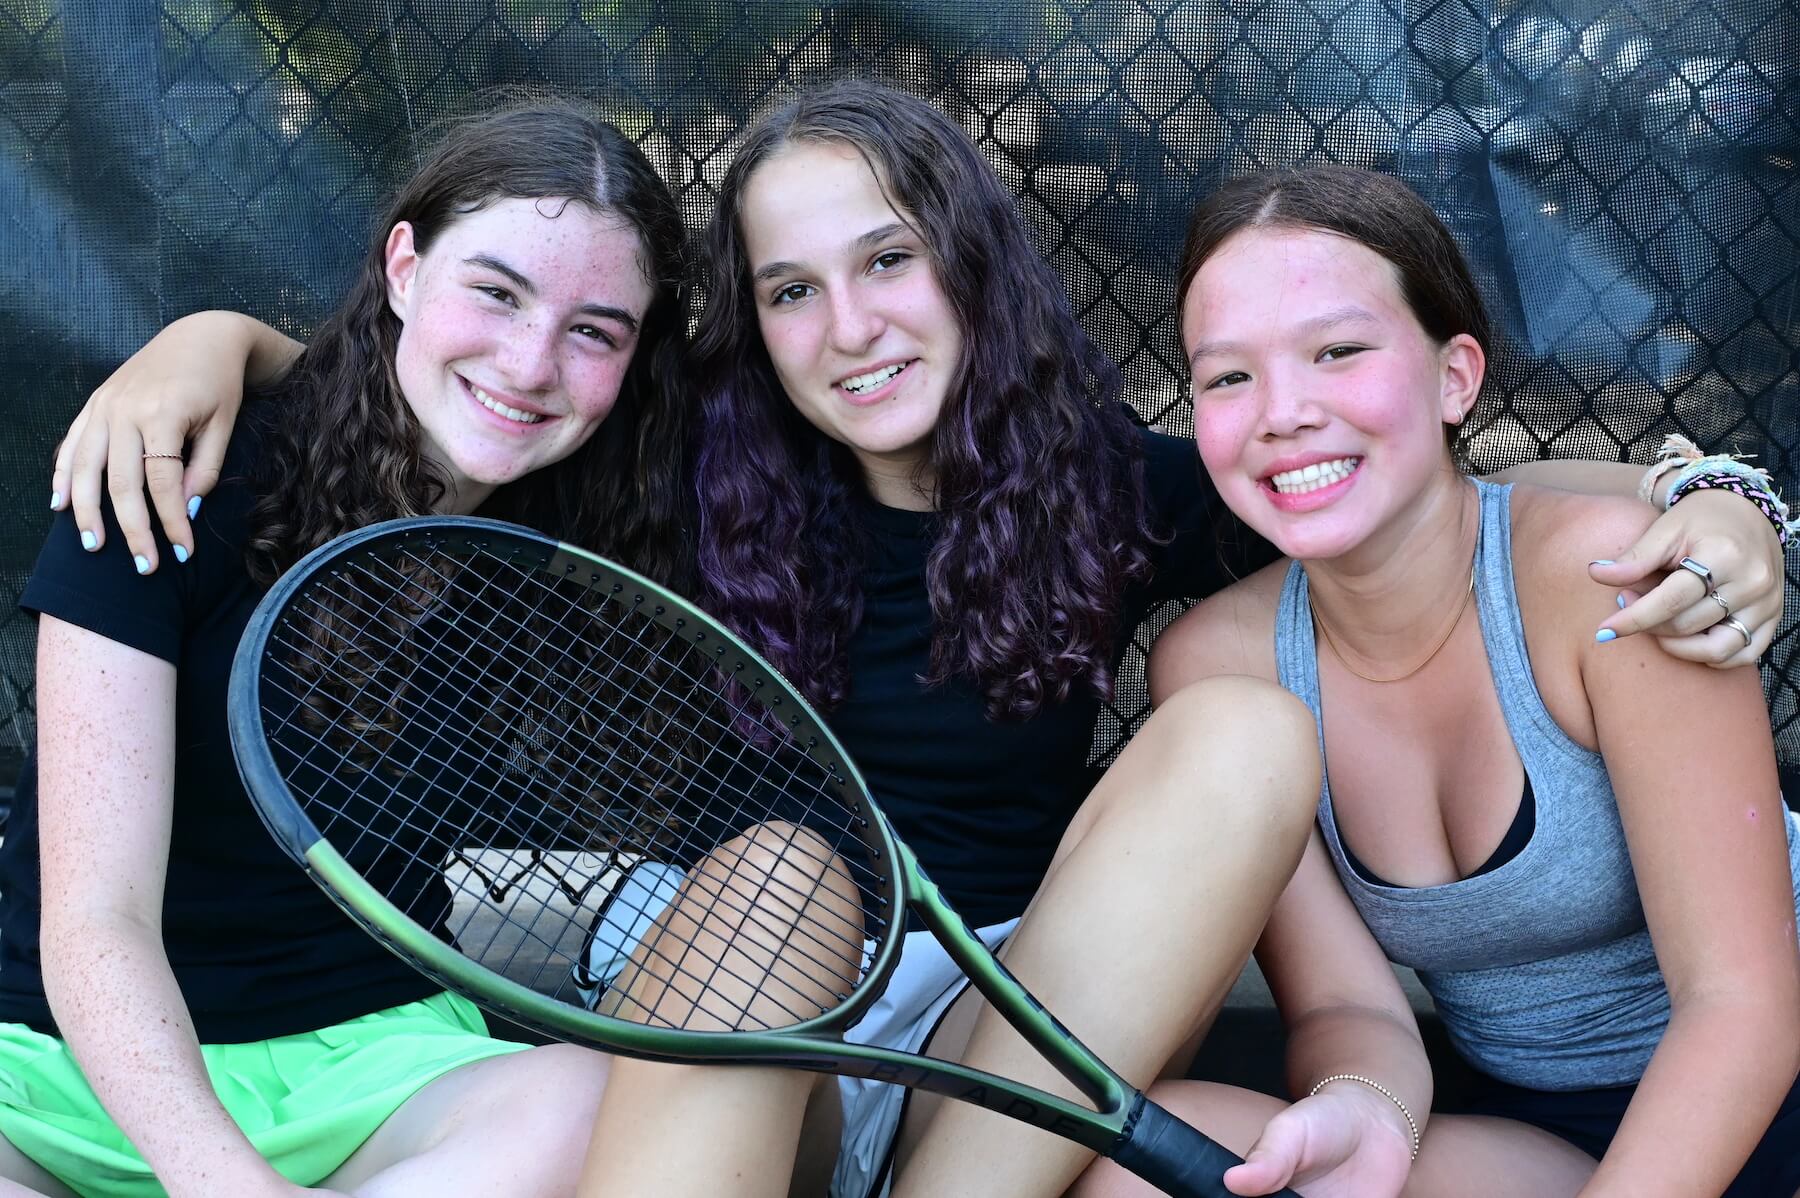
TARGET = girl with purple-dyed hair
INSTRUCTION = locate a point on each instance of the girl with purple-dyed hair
(921, 498)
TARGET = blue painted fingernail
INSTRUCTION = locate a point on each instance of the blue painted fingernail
(89, 541)
(181, 553)
(1621, 602)
(1604, 635)
(193, 507)
(143, 563)
(56, 501)
(1601, 561)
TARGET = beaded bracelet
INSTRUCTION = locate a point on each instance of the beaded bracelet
(1381, 1090)
(1695, 471)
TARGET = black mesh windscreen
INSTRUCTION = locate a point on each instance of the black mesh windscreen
(1623, 174)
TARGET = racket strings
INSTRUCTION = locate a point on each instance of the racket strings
(607, 815)
(500, 747)
(491, 720)
(540, 911)
(707, 721)
(544, 909)
(753, 955)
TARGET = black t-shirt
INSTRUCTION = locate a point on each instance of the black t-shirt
(984, 803)
(256, 947)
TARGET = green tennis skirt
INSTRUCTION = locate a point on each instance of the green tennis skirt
(306, 1101)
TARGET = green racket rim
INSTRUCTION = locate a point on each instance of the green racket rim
(814, 1046)
(300, 838)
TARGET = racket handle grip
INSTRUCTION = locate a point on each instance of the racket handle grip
(1174, 1157)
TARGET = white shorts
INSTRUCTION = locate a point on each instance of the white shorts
(924, 984)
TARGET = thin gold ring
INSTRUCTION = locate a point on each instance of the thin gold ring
(175, 456)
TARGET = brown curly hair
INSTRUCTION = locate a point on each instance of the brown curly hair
(340, 447)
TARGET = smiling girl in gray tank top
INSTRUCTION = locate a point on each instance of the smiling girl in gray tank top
(1615, 951)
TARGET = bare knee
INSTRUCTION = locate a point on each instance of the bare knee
(1233, 712)
(1236, 746)
(766, 931)
(779, 882)
(779, 865)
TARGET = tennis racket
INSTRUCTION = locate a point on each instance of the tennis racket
(493, 750)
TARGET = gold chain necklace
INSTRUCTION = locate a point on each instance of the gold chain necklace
(1442, 641)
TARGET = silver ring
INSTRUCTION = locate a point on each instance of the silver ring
(1723, 606)
(1702, 573)
(1737, 626)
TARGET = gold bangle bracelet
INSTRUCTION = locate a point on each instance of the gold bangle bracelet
(1381, 1090)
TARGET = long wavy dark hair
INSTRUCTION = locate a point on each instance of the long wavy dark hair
(341, 448)
(1038, 472)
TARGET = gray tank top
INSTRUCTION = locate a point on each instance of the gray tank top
(1542, 970)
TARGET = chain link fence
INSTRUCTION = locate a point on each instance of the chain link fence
(1623, 172)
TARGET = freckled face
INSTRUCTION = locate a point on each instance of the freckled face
(518, 325)
(1319, 400)
(862, 337)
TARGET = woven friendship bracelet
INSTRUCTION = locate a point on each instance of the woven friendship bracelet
(1695, 471)
(1754, 490)
(1654, 475)
(1676, 453)
(1381, 1090)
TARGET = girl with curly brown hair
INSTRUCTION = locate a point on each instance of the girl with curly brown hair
(181, 1010)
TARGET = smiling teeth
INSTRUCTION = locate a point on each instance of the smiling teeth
(493, 405)
(862, 384)
(1315, 476)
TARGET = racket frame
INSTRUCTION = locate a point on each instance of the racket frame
(815, 1044)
